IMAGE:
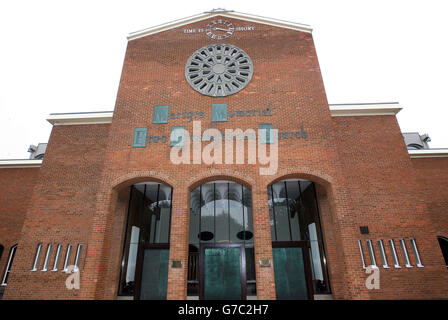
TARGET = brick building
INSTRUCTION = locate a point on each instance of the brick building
(151, 202)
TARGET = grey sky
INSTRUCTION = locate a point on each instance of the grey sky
(66, 56)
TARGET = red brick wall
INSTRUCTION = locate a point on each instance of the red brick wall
(385, 196)
(16, 188)
(432, 174)
(60, 211)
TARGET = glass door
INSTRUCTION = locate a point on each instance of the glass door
(292, 271)
(152, 273)
(223, 272)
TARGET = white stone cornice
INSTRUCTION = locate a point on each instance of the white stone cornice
(336, 110)
(365, 109)
(227, 14)
(428, 153)
(14, 164)
(64, 119)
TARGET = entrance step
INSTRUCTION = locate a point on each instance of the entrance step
(323, 297)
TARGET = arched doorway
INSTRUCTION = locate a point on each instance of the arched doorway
(221, 242)
(300, 267)
(144, 267)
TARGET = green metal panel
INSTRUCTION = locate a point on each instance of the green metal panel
(289, 272)
(266, 133)
(154, 274)
(160, 114)
(219, 112)
(139, 140)
(177, 136)
(222, 274)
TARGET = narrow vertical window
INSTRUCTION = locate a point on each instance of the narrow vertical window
(8, 266)
(383, 254)
(36, 259)
(417, 255)
(394, 253)
(67, 257)
(56, 258)
(371, 253)
(362, 254)
(405, 253)
(47, 257)
(78, 255)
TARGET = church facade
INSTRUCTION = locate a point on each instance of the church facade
(224, 173)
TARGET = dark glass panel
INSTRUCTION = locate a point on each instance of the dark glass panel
(250, 263)
(236, 212)
(281, 212)
(208, 211)
(271, 214)
(289, 272)
(248, 225)
(193, 270)
(151, 213)
(222, 212)
(154, 274)
(251, 289)
(163, 221)
(293, 192)
(195, 207)
(223, 217)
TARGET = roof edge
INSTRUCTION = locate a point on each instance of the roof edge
(58, 119)
(365, 109)
(211, 14)
(15, 164)
(428, 153)
(336, 110)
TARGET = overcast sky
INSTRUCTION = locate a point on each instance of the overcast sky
(66, 56)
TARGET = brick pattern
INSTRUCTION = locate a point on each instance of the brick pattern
(360, 165)
(384, 195)
(16, 189)
(432, 174)
(60, 210)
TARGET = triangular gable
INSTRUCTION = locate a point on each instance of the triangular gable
(222, 13)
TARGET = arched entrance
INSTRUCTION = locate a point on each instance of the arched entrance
(221, 243)
(144, 267)
(299, 260)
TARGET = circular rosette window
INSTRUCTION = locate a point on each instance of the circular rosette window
(219, 70)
